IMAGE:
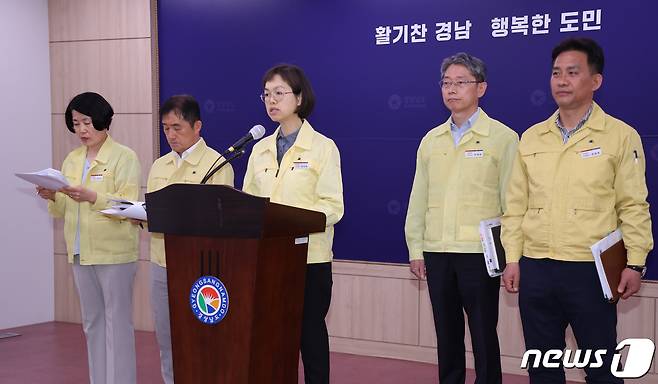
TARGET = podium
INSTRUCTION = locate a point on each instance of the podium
(257, 250)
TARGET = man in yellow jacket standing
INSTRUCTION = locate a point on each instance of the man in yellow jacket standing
(577, 177)
(462, 168)
(188, 162)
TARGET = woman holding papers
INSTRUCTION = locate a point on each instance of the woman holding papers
(102, 249)
(299, 166)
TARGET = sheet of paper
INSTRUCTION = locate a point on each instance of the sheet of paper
(489, 246)
(125, 208)
(46, 178)
(598, 248)
(606, 242)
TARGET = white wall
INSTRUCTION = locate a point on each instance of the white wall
(26, 231)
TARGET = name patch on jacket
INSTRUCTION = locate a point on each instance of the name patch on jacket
(474, 153)
(586, 154)
(301, 165)
(97, 177)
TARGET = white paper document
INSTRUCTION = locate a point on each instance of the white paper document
(492, 248)
(605, 243)
(127, 208)
(46, 178)
(597, 249)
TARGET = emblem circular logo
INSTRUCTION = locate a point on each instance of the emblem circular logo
(209, 300)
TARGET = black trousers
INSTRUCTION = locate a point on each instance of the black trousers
(554, 294)
(459, 282)
(315, 338)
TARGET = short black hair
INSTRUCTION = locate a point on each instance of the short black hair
(294, 76)
(93, 105)
(184, 106)
(591, 48)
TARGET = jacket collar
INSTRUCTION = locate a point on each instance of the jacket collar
(193, 158)
(304, 138)
(596, 121)
(480, 127)
(104, 153)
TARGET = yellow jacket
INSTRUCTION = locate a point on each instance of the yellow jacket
(115, 173)
(164, 171)
(562, 198)
(309, 177)
(455, 188)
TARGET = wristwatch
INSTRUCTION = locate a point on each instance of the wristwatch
(638, 268)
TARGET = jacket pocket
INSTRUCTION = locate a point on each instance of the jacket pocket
(300, 185)
(587, 221)
(535, 224)
(540, 167)
(264, 179)
(72, 178)
(438, 167)
(157, 182)
(103, 182)
(112, 237)
(433, 221)
(470, 215)
(593, 175)
(479, 171)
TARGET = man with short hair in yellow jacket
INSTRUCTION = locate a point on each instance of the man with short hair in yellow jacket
(577, 177)
(462, 168)
(188, 162)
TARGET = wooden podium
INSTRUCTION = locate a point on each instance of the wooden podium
(257, 249)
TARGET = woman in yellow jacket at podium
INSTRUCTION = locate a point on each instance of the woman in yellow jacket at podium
(299, 166)
(103, 250)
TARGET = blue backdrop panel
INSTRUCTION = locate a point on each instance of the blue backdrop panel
(374, 65)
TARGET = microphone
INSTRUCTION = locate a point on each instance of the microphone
(236, 150)
(255, 133)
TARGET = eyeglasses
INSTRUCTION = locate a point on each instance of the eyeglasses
(459, 84)
(277, 95)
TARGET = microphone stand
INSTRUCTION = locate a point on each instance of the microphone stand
(235, 155)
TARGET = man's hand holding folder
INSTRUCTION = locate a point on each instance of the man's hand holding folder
(630, 283)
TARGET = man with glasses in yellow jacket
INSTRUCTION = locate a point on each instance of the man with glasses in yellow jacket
(188, 162)
(462, 168)
(577, 177)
